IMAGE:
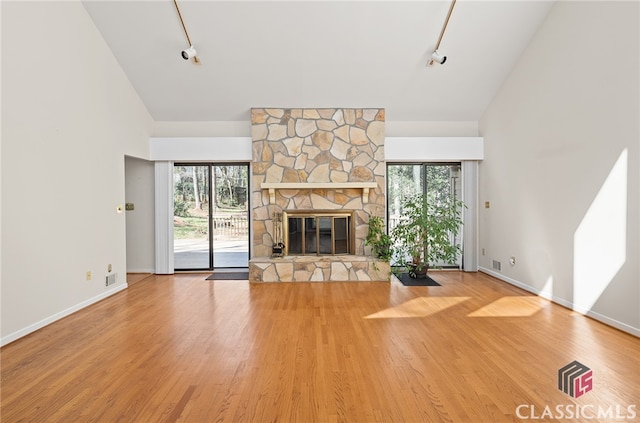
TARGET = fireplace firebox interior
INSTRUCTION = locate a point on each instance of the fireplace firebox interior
(318, 233)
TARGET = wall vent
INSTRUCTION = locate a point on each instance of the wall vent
(497, 265)
(110, 279)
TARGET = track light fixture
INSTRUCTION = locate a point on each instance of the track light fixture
(436, 57)
(191, 52)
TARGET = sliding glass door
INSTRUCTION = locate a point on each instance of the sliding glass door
(210, 223)
(433, 180)
(191, 194)
(230, 216)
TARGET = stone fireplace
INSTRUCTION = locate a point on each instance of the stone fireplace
(321, 174)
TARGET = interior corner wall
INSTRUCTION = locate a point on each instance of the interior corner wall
(69, 117)
(562, 160)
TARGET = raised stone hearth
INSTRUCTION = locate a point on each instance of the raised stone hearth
(316, 159)
(318, 269)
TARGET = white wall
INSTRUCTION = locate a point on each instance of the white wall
(203, 129)
(201, 149)
(69, 116)
(238, 149)
(561, 164)
(139, 190)
(431, 129)
(434, 149)
(243, 129)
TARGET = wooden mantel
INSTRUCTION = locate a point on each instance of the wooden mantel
(273, 186)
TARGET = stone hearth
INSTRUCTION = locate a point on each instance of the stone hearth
(317, 159)
(318, 269)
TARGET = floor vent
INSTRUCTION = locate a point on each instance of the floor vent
(111, 279)
(497, 265)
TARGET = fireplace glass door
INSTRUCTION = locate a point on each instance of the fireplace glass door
(317, 233)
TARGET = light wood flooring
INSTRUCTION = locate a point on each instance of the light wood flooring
(136, 277)
(183, 349)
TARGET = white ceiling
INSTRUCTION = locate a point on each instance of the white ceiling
(317, 54)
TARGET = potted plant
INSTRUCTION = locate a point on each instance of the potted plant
(424, 232)
(377, 238)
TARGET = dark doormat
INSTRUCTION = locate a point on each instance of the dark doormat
(228, 276)
(407, 280)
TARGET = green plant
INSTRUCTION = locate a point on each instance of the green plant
(424, 232)
(180, 208)
(381, 243)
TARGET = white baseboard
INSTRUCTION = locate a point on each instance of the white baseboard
(568, 304)
(64, 313)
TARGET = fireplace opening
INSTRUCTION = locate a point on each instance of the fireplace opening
(317, 233)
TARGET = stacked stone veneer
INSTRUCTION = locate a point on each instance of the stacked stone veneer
(319, 146)
(318, 269)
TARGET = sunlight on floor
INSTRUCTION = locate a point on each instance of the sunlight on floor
(418, 307)
(516, 306)
(600, 242)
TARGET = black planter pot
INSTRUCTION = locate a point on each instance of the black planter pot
(417, 271)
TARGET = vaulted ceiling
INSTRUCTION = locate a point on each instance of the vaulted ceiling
(317, 54)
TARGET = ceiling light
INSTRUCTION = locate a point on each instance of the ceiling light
(435, 56)
(191, 52)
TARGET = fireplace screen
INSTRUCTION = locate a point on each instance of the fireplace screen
(317, 233)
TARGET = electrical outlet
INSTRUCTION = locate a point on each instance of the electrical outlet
(512, 261)
(88, 276)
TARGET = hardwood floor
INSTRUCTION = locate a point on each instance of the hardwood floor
(184, 349)
(136, 277)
